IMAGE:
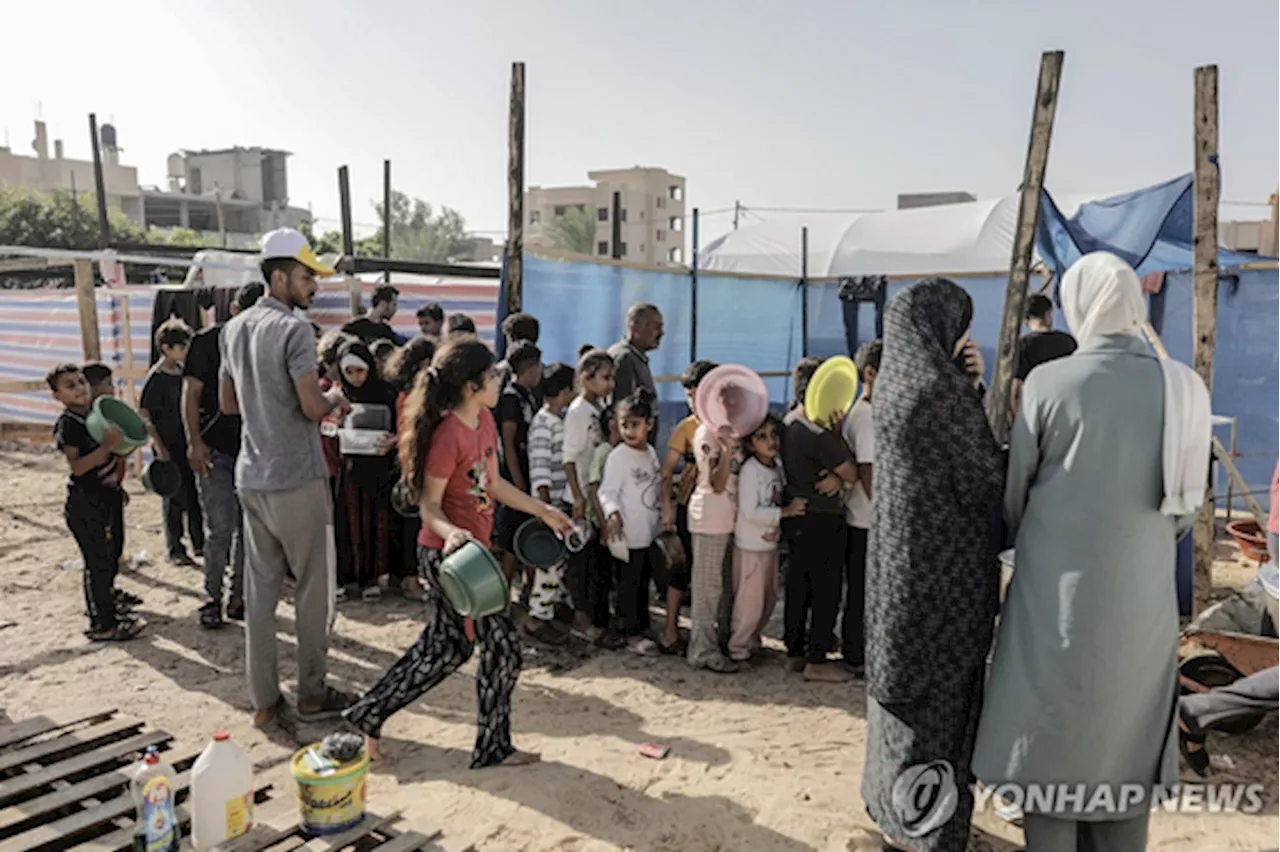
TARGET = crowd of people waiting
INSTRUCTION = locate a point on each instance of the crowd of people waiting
(890, 518)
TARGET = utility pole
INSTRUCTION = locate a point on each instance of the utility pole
(222, 224)
(616, 253)
(737, 208)
(386, 217)
(515, 190)
(104, 224)
(1204, 317)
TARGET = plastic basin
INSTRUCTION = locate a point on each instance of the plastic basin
(162, 477)
(473, 582)
(537, 545)
(108, 411)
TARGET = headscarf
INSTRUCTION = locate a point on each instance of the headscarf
(932, 587)
(374, 473)
(375, 390)
(1101, 295)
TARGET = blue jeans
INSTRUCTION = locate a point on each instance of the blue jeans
(224, 527)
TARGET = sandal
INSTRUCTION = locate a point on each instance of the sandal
(543, 632)
(124, 598)
(335, 701)
(211, 616)
(717, 663)
(1190, 734)
(123, 631)
(412, 589)
(235, 609)
(372, 594)
(675, 649)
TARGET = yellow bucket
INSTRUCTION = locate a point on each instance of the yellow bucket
(330, 803)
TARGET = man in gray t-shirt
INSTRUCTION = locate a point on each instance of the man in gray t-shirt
(631, 355)
(269, 377)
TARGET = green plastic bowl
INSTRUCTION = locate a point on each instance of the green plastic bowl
(473, 582)
(108, 411)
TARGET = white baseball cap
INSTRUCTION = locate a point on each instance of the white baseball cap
(286, 242)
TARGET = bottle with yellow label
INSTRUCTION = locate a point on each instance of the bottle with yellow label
(221, 793)
(152, 789)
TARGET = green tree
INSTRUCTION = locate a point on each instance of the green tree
(58, 220)
(575, 230)
(330, 242)
(418, 232)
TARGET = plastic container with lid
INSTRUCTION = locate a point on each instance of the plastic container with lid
(221, 793)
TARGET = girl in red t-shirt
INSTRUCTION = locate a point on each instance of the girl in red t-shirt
(449, 458)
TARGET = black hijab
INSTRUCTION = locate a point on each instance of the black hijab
(932, 576)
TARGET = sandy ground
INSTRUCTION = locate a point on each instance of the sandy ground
(760, 761)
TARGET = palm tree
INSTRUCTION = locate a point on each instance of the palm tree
(575, 231)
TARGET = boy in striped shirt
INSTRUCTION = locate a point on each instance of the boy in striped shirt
(549, 483)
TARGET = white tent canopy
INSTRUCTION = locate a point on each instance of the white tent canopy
(969, 238)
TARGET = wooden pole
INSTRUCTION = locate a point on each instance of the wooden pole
(1024, 241)
(515, 191)
(693, 285)
(386, 217)
(615, 249)
(131, 386)
(804, 292)
(88, 309)
(1204, 316)
(99, 182)
(344, 206)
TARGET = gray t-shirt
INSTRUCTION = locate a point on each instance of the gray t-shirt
(630, 371)
(264, 351)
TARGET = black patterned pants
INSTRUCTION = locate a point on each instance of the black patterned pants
(438, 652)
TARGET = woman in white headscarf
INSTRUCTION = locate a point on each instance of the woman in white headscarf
(1108, 461)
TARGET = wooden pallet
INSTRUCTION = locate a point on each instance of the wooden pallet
(276, 828)
(64, 784)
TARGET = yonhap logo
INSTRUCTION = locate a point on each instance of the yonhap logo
(925, 797)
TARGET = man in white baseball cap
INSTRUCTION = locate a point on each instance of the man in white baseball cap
(269, 377)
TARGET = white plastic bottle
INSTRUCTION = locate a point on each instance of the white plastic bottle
(221, 793)
(152, 789)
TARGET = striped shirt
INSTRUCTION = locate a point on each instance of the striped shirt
(546, 456)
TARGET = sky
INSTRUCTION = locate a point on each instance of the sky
(814, 104)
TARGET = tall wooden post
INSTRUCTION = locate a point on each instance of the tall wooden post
(344, 207)
(1204, 318)
(1024, 240)
(386, 217)
(693, 292)
(515, 191)
(804, 292)
(615, 239)
(87, 306)
(99, 183)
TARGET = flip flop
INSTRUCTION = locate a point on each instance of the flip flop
(335, 701)
(1189, 733)
(123, 631)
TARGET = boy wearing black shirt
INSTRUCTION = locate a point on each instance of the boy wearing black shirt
(213, 442)
(94, 509)
(516, 406)
(162, 406)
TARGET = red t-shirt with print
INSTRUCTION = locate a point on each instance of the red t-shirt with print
(467, 459)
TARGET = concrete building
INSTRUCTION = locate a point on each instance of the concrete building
(247, 188)
(242, 190)
(57, 173)
(652, 214)
(911, 200)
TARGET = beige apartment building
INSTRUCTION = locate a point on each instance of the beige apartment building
(652, 215)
